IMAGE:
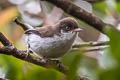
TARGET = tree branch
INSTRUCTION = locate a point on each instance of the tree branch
(81, 14)
(9, 49)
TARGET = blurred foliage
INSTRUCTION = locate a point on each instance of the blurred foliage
(100, 8)
(7, 15)
(114, 50)
(77, 62)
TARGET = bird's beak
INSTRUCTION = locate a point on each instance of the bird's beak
(77, 30)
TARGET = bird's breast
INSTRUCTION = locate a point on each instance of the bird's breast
(51, 47)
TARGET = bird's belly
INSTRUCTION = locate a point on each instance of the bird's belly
(49, 47)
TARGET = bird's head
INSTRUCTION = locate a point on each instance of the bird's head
(69, 25)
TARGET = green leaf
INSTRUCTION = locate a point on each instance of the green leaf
(73, 61)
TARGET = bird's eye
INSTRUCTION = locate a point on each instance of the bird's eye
(67, 28)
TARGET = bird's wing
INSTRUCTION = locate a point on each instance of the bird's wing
(45, 31)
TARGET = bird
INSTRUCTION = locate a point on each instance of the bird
(52, 41)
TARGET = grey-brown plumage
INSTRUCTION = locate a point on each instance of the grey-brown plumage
(52, 41)
(66, 25)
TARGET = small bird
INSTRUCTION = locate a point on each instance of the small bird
(52, 41)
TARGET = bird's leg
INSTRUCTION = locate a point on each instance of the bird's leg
(28, 49)
(54, 61)
(59, 64)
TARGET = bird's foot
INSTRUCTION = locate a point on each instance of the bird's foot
(54, 61)
(29, 51)
(57, 61)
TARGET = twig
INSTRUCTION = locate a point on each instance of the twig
(23, 25)
(4, 40)
(21, 54)
(94, 49)
(94, 1)
(3, 79)
(90, 44)
(5, 4)
(90, 49)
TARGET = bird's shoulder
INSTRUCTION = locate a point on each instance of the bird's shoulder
(45, 31)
